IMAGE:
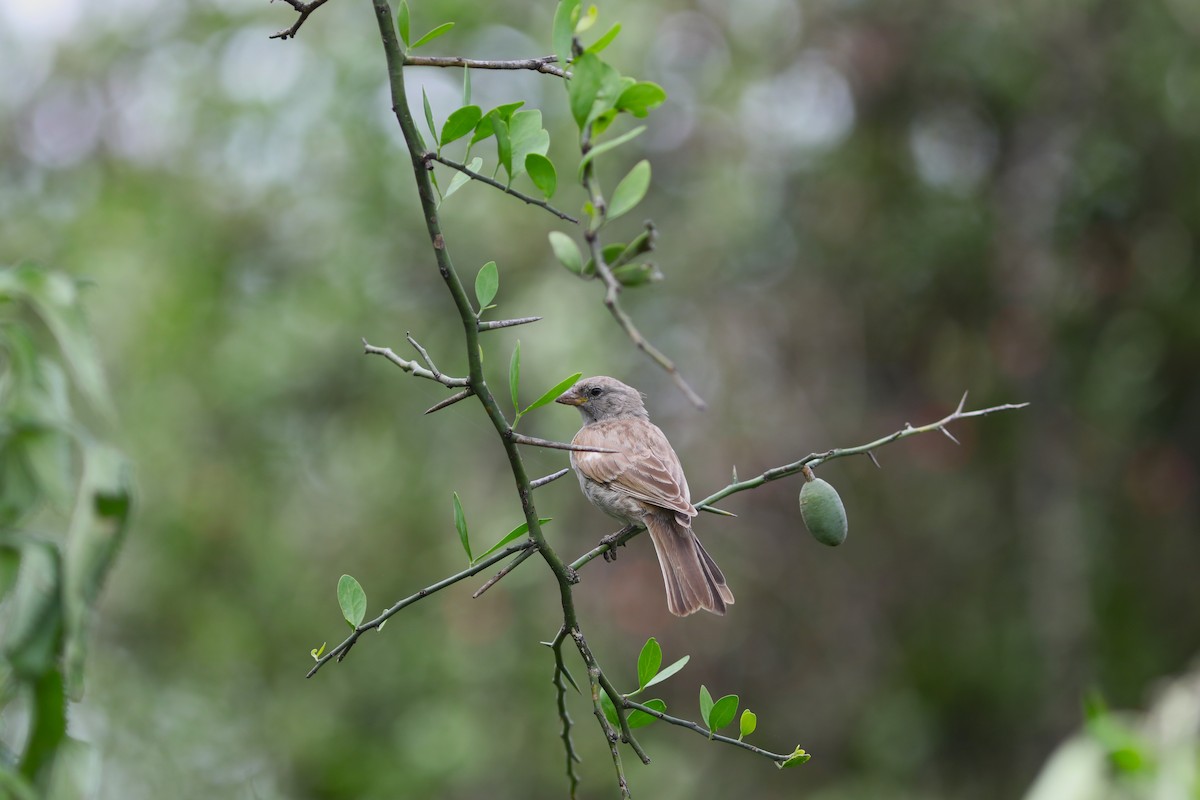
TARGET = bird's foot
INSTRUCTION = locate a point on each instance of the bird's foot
(613, 539)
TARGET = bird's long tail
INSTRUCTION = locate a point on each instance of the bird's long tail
(693, 580)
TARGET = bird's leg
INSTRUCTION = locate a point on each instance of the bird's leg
(613, 539)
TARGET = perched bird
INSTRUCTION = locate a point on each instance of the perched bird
(642, 484)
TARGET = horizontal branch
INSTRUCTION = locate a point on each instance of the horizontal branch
(778, 758)
(520, 438)
(479, 176)
(342, 649)
(543, 64)
(413, 367)
(506, 323)
(813, 459)
(809, 461)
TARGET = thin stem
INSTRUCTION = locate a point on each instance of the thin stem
(778, 758)
(548, 478)
(479, 176)
(561, 676)
(343, 649)
(492, 581)
(544, 64)
(613, 286)
(449, 401)
(413, 367)
(520, 438)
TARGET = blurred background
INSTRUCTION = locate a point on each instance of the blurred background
(865, 208)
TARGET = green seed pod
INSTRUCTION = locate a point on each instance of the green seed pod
(823, 512)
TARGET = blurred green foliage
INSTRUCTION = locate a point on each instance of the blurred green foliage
(863, 209)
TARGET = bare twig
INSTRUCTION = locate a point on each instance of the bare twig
(544, 64)
(479, 176)
(599, 679)
(520, 438)
(413, 367)
(343, 649)
(560, 686)
(492, 581)
(305, 9)
(506, 323)
(437, 374)
(451, 400)
(548, 478)
(809, 461)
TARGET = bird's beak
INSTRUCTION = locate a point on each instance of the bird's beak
(571, 397)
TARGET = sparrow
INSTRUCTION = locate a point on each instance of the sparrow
(641, 483)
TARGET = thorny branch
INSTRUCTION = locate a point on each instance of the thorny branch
(305, 9)
(810, 460)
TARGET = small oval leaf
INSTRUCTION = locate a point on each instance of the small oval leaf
(541, 172)
(649, 660)
(566, 251)
(723, 712)
(640, 719)
(630, 190)
(706, 703)
(487, 283)
(748, 723)
(352, 599)
(460, 123)
(668, 672)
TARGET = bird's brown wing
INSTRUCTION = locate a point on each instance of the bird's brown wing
(644, 465)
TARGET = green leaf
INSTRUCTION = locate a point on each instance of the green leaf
(487, 283)
(637, 274)
(553, 392)
(706, 703)
(527, 136)
(460, 524)
(797, 758)
(97, 531)
(610, 711)
(723, 712)
(514, 375)
(484, 129)
(748, 723)
(640, 719)
(503, 144)
(460, 178)
(510, 537)
(429, 114)
(605, 40)
(466, 86)
(14, 785)
(440, 30)
(639, 98)
(48, 726)
(317, 652)
(587, 20)
(668, 672)
(593, 88)
(352, 599)
(460, 123)
(630, 190)
(402, 21)
(33, 621)
(566, 251)
(649, 660)
(55, 299)
(541, 172)
(609, 145)
(564, 29)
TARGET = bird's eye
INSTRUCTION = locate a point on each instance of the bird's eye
(596, 391)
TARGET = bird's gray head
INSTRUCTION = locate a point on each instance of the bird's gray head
(602, 398)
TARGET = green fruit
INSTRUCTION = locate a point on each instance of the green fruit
(823, 512)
